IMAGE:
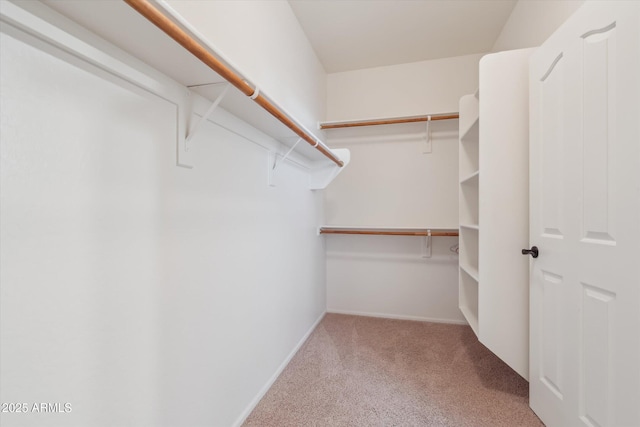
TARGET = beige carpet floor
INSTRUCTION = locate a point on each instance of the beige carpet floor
(363, 371)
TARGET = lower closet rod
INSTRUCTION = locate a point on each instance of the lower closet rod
(374, 232)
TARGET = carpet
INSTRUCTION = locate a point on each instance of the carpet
(364, 371)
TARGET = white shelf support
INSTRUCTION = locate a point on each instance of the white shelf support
(427, 245)
(194, 130)
(287, 154)
(273, 163)
(427, 148)
(185, 115)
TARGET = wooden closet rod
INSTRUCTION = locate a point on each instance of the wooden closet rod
(383, 232)
(146, 9)
(388, 121)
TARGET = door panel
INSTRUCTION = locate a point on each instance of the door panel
(585, 219)
(598, 91)
(551, 120)
(595, 354)
(550, 344)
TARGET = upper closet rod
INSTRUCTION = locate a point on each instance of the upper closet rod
(414, 119)
(146, 9)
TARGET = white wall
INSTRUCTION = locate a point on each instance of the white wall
(417, 88)
(265, 42)
(391, 182)
(139, 292)
(387, 276)
(532, 22)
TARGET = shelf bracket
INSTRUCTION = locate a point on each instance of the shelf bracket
(426, 149)
(187, 130)
(273, 163)
(427, 245)
(194, 130)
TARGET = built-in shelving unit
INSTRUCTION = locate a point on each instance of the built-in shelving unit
(469, 172)
(493, 208)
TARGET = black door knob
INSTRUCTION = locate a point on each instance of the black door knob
(533, 251)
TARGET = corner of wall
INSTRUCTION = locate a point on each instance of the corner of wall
(532, 22)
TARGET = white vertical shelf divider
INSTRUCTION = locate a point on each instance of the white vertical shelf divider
(503, 300)
(494, 207)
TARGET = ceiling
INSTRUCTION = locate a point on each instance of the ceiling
(355, 34)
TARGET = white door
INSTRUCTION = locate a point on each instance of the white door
(585, 220)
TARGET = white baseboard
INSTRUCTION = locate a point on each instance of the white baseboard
(399, 317)
(243, 416)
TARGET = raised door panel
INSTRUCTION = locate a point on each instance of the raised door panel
(599, 103)
(552, 147)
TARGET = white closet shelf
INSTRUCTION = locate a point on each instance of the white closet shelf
(389, 231)
(468, 298)
(472, 132)
(470, 316)
(471, 272)
(147, 43)
(467, 179)
(475, 227)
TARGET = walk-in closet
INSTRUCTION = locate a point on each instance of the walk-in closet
(295, 213)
